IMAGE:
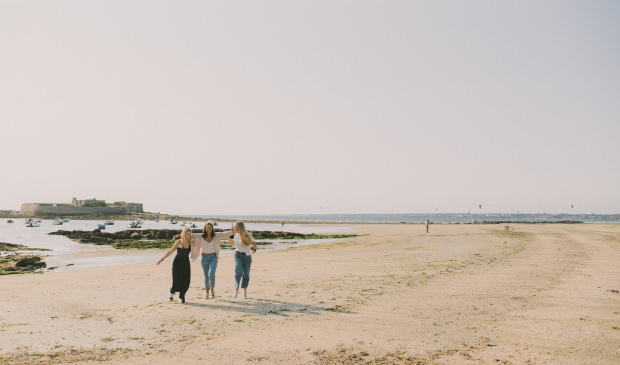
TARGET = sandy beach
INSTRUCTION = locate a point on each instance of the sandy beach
(461, 294)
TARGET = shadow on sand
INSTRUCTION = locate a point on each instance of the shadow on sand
(265, 307)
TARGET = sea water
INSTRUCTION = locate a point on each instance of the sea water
(65, 254)
(422, 218)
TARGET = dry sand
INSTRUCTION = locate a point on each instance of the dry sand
(462, 294)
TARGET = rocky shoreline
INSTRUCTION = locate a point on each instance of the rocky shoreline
(17, 262)
(162, 238)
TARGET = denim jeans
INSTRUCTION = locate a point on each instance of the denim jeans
(209, 265)
(242, 270)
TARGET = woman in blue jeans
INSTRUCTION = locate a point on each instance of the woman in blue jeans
(244, 246)
(207, 245)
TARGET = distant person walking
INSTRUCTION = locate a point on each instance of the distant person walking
(244, 246)
(181, 273)
(427, 224)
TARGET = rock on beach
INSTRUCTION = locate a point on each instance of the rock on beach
(20, 264)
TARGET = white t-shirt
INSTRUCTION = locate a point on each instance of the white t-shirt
(240, 246)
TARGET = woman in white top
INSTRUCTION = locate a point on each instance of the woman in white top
(244, 246)
(207, 245)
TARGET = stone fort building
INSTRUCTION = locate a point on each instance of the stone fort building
(80, 207)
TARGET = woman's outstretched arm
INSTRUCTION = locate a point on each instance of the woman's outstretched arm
(170, 251)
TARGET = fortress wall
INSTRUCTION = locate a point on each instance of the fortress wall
(34, 209)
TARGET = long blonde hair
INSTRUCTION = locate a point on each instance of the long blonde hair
(184, 239)
(246, 237)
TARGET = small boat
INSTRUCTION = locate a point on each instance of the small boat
(156, 220)
(173, 221)
(32, 224)
(101, 226)
(66, 220)
(57, 222)
(38, 220)
(108, 222)
(134, 224)
(9, 221)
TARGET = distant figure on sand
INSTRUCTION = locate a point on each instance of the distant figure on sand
(207, 245)
(181, 273)
(244, 246)
(427, 224)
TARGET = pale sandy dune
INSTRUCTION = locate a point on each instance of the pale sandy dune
(463, 294)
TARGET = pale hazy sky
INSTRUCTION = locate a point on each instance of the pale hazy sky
(276, 107)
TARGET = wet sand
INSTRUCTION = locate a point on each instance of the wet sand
(464, 294)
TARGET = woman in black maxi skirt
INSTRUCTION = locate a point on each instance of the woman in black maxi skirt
(181, 271)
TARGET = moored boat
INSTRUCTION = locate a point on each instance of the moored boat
(134, 224)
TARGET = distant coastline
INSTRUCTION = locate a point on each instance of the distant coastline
(417, 218)
(14, 214)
